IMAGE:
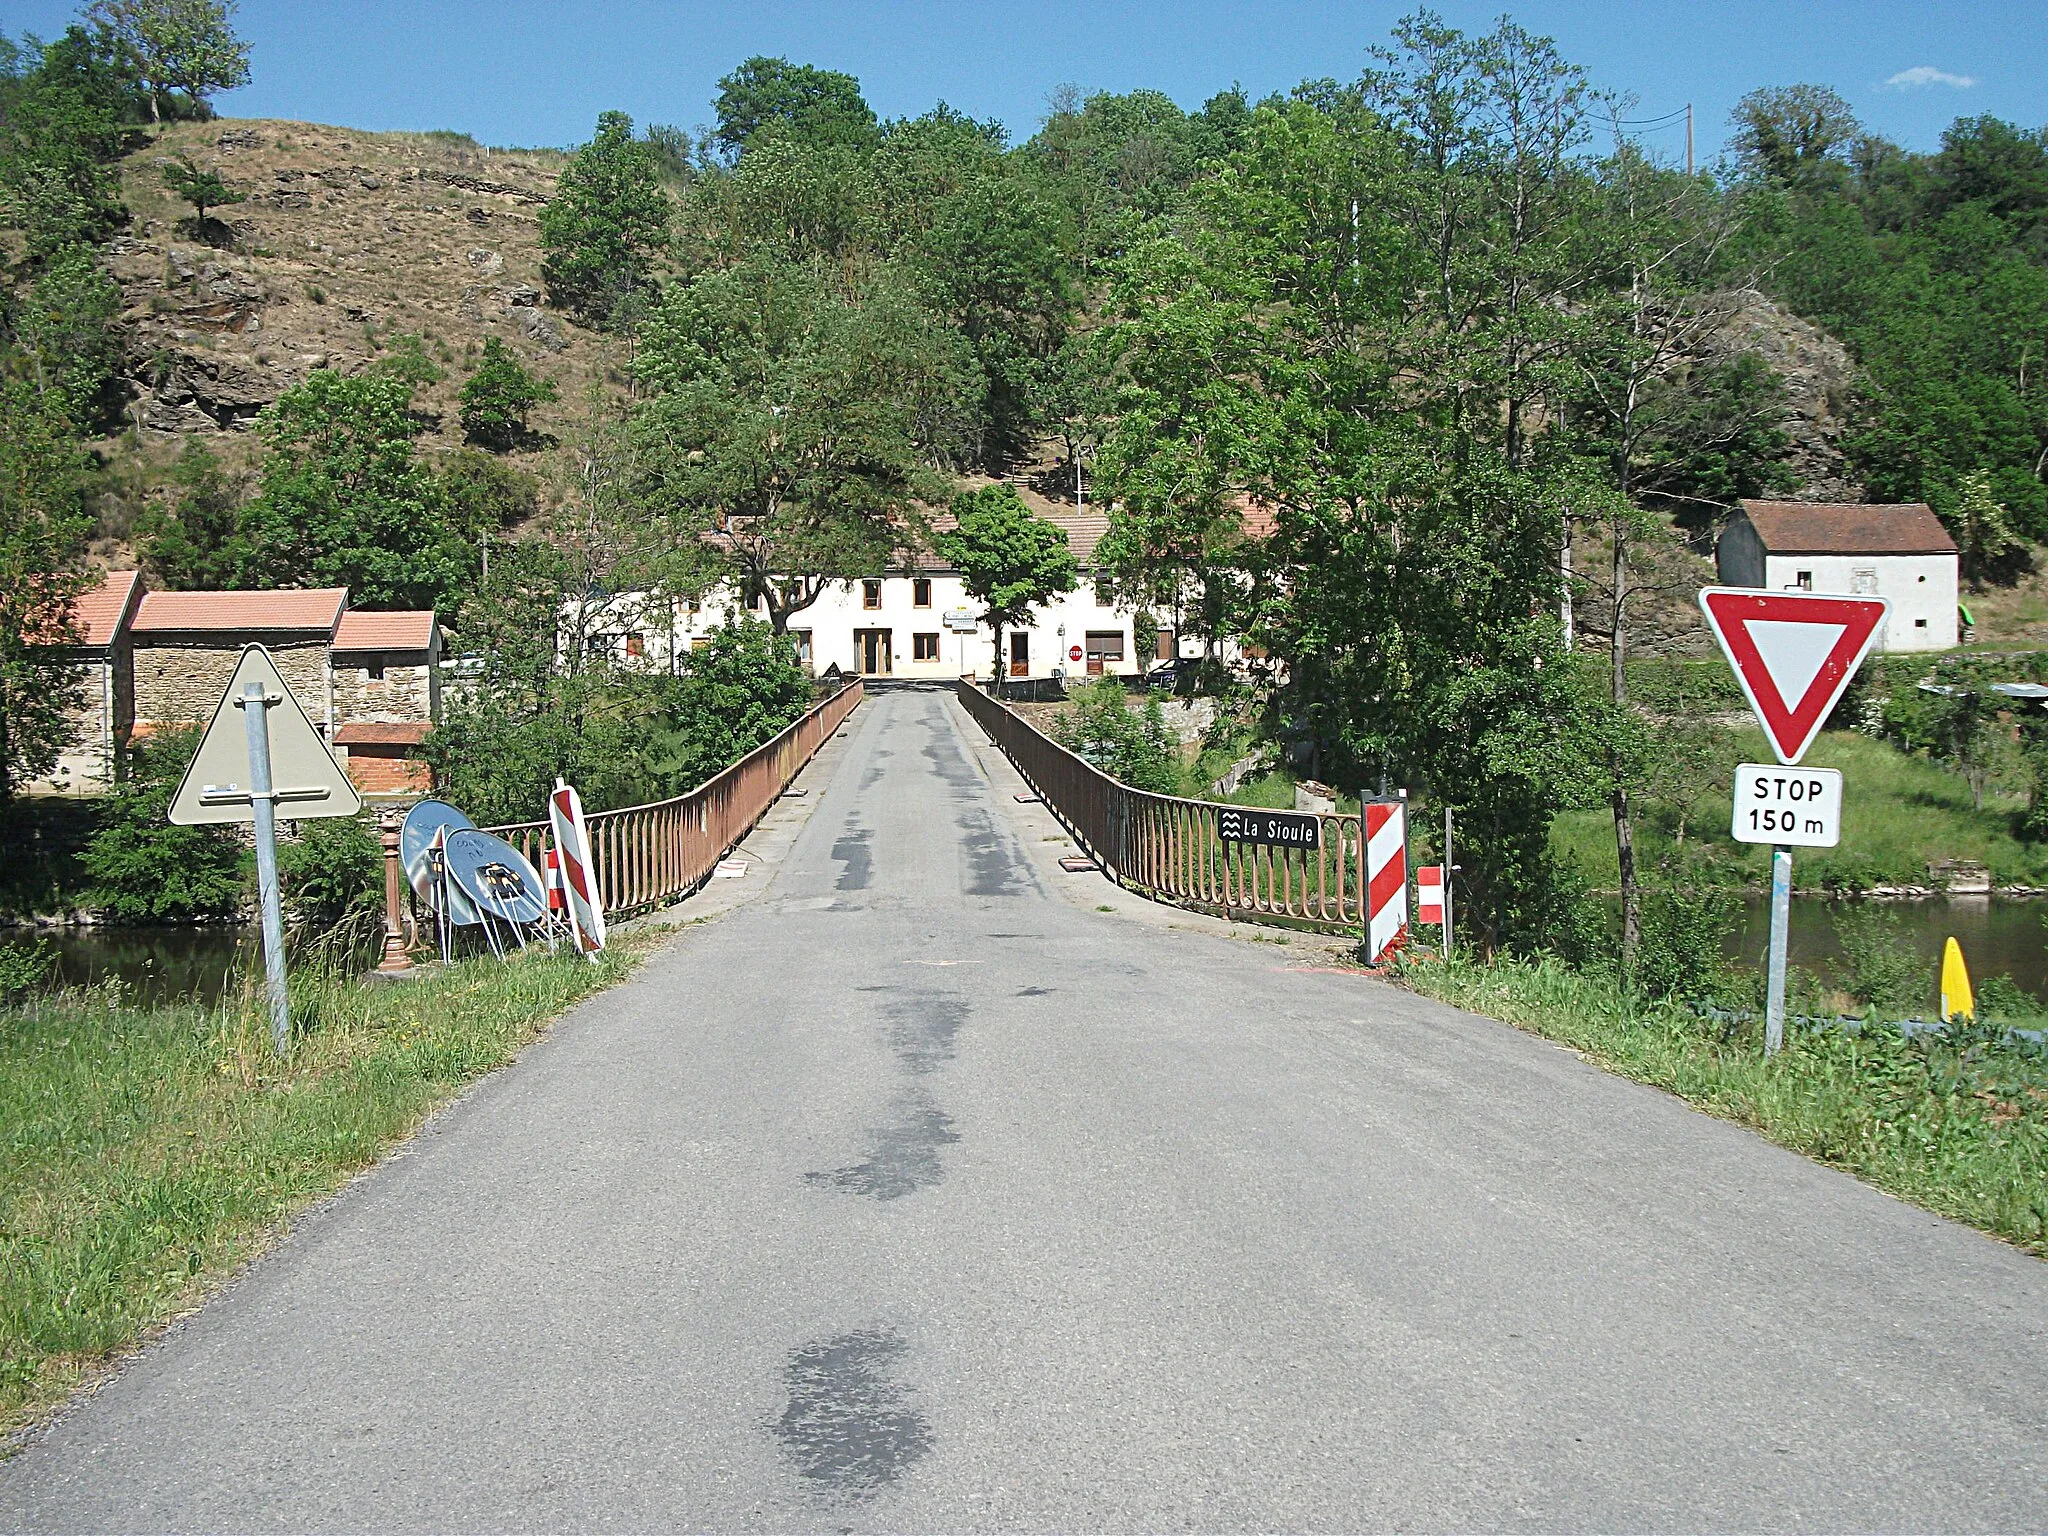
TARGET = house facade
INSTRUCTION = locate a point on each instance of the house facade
(918, 622)
(1896, 551)
(158, 660)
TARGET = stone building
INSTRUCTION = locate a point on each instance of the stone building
(98, 642)
(370, 681)
(186, 646)
(1897, 551)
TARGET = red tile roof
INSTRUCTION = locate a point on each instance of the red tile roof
(318, 609)
(409, 629)
(382, 733)
(1856, 528)
(98, 613)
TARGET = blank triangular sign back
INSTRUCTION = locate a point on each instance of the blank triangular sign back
(305, 777)
(1793, 653)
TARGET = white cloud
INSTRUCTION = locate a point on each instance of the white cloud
(1924, 74)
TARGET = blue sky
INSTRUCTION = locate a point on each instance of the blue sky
(523, 72)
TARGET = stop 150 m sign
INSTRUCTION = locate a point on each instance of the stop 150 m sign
(1791, 807)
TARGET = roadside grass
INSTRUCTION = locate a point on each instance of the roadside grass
(1900, 813)
(1959, 1126)
(146, 1153)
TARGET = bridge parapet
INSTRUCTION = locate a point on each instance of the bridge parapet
(650, 855)
(1175, 850)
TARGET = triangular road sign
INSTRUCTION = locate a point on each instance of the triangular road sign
(304, 776)
(1793, 653)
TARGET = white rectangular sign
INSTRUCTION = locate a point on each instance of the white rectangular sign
(1790, 807)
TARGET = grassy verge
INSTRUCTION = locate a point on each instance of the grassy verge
(144, 1153)
(1900, 813)
(1959, 1127)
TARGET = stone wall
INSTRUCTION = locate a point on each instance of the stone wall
(404, 692)
(182, 681)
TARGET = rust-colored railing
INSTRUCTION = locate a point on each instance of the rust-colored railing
(1171, 849)
(649, 855)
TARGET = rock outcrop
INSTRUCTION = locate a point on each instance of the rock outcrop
(1820, 378)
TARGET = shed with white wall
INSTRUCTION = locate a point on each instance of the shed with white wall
(1898, 551)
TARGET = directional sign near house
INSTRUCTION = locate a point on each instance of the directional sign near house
(962, 620)
(1793, 653)
(1282, 829)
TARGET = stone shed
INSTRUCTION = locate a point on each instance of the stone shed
(387, 666)
(186, 645)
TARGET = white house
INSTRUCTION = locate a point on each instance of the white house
(914, 622)
(1897, 551)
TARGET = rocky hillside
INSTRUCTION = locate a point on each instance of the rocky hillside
(346, 241)
(1819, 376)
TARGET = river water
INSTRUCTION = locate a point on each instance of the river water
(159, 964)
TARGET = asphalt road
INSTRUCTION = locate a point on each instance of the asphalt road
(912, 1195)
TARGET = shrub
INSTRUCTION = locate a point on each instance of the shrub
(23, 968)
(498, 396)
(1680, 955)
(144, 870)
(333, 869)
(1882, 970)
(1134, 749)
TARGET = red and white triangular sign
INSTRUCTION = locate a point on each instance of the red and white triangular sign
(1793, 653)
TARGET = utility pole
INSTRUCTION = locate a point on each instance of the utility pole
(1688, 138)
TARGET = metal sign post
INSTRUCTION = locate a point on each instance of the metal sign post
(286, 747)
(255, 706)
(1794, 654)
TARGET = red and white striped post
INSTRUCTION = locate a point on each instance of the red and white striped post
(1386, 876)
(579, 877)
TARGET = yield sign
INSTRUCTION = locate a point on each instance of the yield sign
(1793, 653)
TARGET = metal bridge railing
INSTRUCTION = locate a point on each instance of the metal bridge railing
(1170, 849)
(650, 855)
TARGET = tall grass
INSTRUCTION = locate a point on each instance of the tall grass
(1900, 813)
(1959, 1125)
(144, 1152)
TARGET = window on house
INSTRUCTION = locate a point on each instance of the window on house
(871, 594)
(1804, 581)
(1919, 623)
(924, 647)
(636, 644)
(756, 599)
(803, 646)
(1162, 649)
(921, 592)
(373, 671)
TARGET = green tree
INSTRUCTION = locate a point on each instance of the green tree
(485, 495)
(794, 423)
(606, 224)
(1134, 749)
(60, 132)
(498, 397)
(177, 45)
(200, 186)
(65, 324)
(187, 541)
(1793, 133)
(1982, 527)
(1010, 559)
(345, 501)
(798, 101)
(43, 528)
(144, 870)
(738, 690)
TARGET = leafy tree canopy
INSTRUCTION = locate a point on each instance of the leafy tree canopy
(799, 101)
(606, 224)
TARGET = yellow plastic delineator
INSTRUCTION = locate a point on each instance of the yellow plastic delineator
(1956, 997)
